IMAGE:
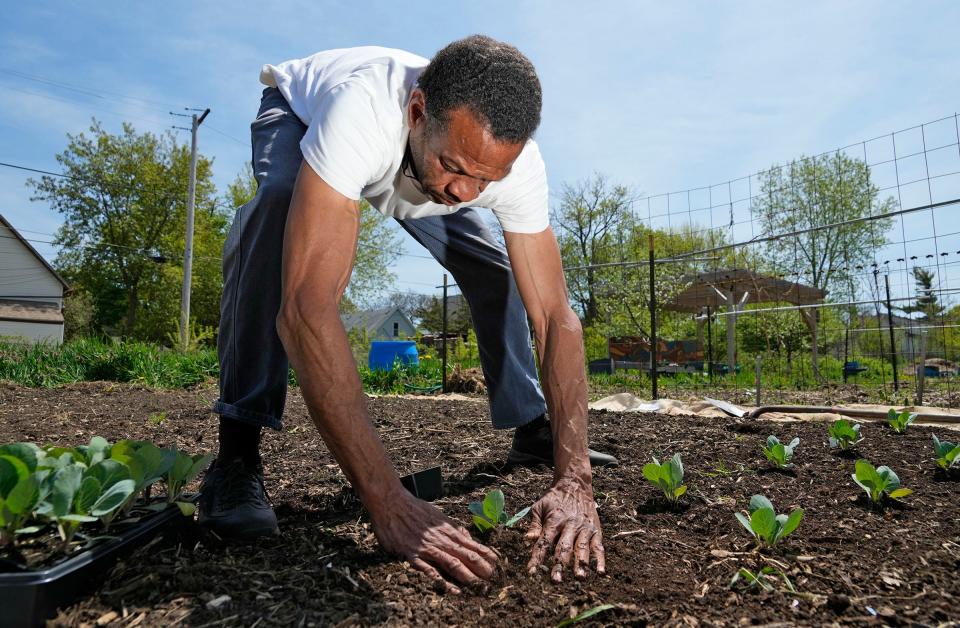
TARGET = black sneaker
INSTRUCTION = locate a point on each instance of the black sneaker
(534, 445)
(233, 501)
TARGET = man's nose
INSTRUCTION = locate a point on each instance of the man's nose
(464, 189)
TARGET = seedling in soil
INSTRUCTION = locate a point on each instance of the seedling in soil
(780, 455)
(765, 525)
(78, 498)
(878, 481)
(900, 421)
(843, 435)
(762, 578)
(667, 476)
(147, 464)
(20, 485)
(489, 513)
(184, 469)
(587, 614)
(947, 453)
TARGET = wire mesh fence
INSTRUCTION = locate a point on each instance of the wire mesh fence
(831, 278)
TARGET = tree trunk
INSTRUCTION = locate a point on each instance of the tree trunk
(132, 300)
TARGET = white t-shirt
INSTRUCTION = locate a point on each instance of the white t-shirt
(353, 101)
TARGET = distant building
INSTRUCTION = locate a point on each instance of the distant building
(31, 291)
(383, 324)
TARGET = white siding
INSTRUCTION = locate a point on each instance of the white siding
(31, 332)
(22, 275)
(386, 329)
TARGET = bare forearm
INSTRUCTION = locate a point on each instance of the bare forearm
(320, 354)
(560, 341)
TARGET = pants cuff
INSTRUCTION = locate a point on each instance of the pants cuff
(246, 416)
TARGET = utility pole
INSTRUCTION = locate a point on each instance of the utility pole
(188, 248)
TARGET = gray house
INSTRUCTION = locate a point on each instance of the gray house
(31, 291)
(384, 324)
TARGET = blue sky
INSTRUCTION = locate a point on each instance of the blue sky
(659, 96)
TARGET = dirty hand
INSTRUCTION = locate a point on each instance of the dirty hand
(433, 543)
(565, 520)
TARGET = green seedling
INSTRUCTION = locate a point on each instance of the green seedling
(843, 435)
(900, 421)
(780, 455)
(184, 469)
(878, 481)
(765, 525)
(587, 614)
(947, 453)
(108, 473)
(156, 419)
(20, 488)
(667, 476)
(762, 578)
(77, 498)
(489, 513)
(147, 464)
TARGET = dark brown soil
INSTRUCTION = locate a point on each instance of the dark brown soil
(847, 561)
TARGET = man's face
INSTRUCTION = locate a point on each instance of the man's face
(455, 164)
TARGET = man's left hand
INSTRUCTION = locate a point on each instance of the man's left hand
(565, 522)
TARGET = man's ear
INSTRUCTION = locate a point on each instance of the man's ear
(416, 108)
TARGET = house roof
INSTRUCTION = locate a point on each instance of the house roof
(30, 311)
(702, 290)
(30, 248)
(371, 320)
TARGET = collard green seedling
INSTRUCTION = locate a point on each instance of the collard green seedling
(20, 488)
(762, 578)
(947, 453)
(878, 481)
(184, 469)
(843, 435)
(489, 513)
(667, 476)
(77, 498)
(147, 464)
(780, 455)
(765, 525)
(900, 420)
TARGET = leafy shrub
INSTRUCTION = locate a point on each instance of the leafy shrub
(844, 435)
(489, 513)
(765, 525)
(667, 476)
(947, 453)
(878, 481)
(900, 421)
(780, 455)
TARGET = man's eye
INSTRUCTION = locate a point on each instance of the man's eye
(448, 167)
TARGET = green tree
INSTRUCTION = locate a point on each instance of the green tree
(798, 201)
(123, 201)
(378, 247)
(927, 303)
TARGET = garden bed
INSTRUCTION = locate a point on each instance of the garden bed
(850, 563)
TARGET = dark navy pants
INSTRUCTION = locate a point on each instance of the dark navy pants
(253, 363)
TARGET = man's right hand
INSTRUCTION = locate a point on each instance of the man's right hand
(432, 542)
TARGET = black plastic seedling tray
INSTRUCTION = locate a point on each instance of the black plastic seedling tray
(426, 484)
(29, 598)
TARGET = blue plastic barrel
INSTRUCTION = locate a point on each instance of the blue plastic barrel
(384, 354)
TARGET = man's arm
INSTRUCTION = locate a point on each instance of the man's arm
(319, 247)
(565, 519)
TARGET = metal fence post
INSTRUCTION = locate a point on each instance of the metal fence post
(893, 344)
(654, 394)
(443, 341)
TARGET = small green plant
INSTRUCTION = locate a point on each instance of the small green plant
(157, 418)
(900, 421)
(20, 486)
(667, 476)
(765, 525)
(489, 513)
(947, 453)
(878, 481)
(147, 464)
(843, 435)
(182, 471)
(780, 455)
(78, 498)
(762, 579)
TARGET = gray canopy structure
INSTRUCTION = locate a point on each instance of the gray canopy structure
(733, 289)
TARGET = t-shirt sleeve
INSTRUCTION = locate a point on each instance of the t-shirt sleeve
(344, 144)
(524, 206)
